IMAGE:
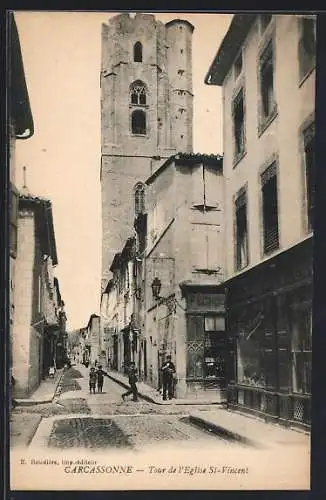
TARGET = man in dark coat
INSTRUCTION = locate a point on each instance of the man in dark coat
(92, 380)
(168, 373)
(100, 378)
(133, 379)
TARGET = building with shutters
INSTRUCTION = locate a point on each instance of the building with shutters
(178, 243)
(266, 68)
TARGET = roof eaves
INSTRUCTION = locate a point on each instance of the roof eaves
(20, 109)
(230, 46)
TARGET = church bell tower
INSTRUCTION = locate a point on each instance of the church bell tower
(146, 113)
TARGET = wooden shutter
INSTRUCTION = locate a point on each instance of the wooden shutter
(197, 186)
(214, 254)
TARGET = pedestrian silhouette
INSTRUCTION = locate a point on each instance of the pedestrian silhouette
(92, 380)
(168, 373)
(133, 379)
(100, 378)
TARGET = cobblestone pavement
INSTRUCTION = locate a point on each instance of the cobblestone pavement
(112, 422)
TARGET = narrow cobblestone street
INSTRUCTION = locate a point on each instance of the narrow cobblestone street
(104, 420)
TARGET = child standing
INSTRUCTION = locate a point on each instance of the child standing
(92, 380)
(100, 378)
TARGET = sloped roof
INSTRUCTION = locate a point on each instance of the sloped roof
(19, 104)
(188, 158)
(43, 209)
(229, 48)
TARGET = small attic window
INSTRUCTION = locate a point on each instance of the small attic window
(138, 52)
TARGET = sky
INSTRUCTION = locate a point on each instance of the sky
(62, 57)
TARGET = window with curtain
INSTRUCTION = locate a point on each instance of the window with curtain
(301, 348)
(309, 159)
(307, 46)
(267, 93)
(238, 112)
(241, 243)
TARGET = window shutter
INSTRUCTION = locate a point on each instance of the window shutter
(199, 247)
(197, 186)
(214, 254)
(211, 187)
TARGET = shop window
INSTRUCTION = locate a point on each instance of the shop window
(307, 46)
(309, 160)
(195, 347)
(13, 214)
(267, 95)
(242, 258)
(238, 112)
(251, 346)
(301, 349)
(138, 52)
(238, 66)
(138, 122)
(270, 210)
(283, 345)
(214, 347)
(139, 197)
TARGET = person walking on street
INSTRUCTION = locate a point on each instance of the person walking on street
(100, 378)
(133, 379)
(92, 380)
(168, 373)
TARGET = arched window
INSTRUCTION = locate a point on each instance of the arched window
(139, 197)
(138, 122)
(138, 52)
(138, 93)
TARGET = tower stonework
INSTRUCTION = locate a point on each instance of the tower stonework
(146, 113)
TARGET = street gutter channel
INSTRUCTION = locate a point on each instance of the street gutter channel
(219, 431)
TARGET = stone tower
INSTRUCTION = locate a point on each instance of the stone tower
(146, 113)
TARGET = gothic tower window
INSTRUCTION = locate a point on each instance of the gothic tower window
(138, 122)
(138, 93)
(138, 52)
(139, 197)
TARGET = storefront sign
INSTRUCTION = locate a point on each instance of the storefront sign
(205, 302)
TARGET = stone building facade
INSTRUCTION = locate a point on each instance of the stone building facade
(146, 113)
(92, 340)
(266, 68)
(179, 241)
(36, 317)
(20, 127)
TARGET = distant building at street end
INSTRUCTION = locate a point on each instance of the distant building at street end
(146, 113)
(266, 68)
(92, 339)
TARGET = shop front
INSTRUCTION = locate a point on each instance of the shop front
(269, 337)
(205, 343)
